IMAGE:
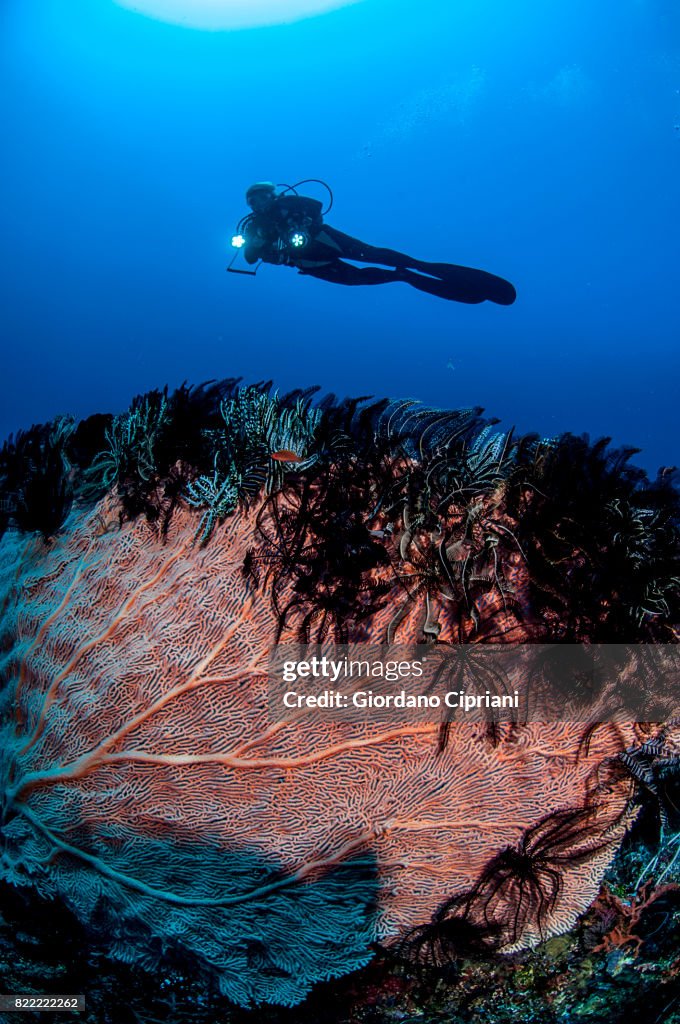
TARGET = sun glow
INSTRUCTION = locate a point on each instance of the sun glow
(229, 14)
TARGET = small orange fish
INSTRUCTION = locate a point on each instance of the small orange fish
(286, 455)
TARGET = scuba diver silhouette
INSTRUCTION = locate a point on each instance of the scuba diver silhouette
(287, 228)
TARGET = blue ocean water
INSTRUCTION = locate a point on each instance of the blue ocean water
(538, 141)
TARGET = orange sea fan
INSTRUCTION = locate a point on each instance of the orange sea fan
(143, 782)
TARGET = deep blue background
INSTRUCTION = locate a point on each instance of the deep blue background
(539, 141)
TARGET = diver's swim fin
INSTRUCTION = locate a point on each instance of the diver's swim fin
(460, 284)
(465, 284)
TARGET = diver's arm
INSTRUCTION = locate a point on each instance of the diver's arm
(260, 241)
(266, 251)
(252, 253)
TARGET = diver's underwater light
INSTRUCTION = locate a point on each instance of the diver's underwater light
(238, 241)
(298, 239)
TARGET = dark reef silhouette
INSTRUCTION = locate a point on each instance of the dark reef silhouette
(598, 537)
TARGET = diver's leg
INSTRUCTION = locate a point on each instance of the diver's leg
(463, 284)
(344, 273)
(353, 249)
(460, 288)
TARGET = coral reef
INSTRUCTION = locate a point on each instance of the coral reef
(142, 782)
(42, 945)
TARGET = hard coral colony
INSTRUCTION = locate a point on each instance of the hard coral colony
(148, 564)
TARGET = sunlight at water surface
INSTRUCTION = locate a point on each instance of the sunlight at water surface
(226, 14)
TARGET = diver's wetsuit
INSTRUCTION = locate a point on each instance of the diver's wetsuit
(267, 237)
